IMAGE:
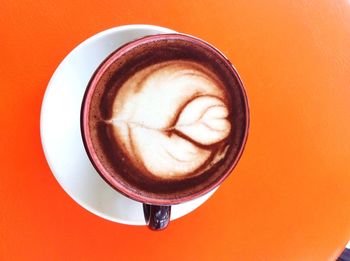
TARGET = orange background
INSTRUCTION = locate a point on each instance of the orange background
(289, 197)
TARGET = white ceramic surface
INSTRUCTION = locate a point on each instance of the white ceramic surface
(61, 137)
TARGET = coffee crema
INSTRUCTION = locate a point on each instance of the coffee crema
(169, 117)
(166, 118)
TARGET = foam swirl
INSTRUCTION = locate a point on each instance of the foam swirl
(168, 117)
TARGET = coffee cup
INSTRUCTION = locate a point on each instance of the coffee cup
(164, 120)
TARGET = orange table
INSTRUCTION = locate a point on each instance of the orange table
(289, 197)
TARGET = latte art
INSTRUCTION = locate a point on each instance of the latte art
(170, 119)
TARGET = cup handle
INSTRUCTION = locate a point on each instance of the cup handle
(156, 217)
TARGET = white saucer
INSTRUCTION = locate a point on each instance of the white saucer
(60, 130)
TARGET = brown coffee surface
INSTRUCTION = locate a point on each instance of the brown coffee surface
(167, 117)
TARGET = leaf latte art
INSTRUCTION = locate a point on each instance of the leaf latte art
(170, 119)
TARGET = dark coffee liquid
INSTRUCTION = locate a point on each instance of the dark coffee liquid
(114, 152)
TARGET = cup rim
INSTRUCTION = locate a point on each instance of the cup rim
(86, 135)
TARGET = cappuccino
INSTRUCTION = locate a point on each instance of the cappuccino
(166, 118)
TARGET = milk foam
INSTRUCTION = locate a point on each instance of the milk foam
(168, 116)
